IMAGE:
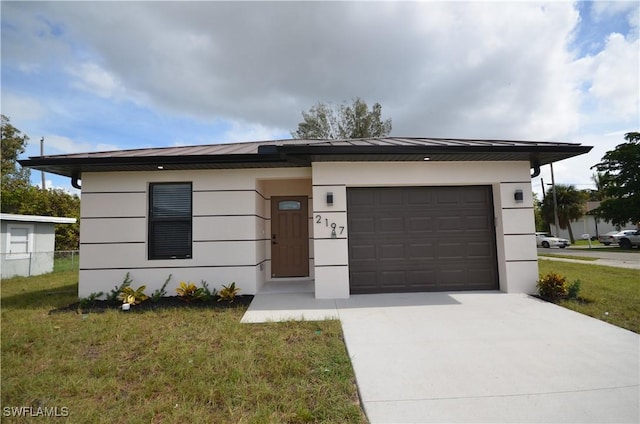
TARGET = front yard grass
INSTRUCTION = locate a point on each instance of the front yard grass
(172, 365)
(606, 293)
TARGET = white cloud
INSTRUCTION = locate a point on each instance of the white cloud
(450, 69)
(614, 77)
(55, 144)
(242, 131)
(607, 9)
(21, 107)
(441, 69)
(96, 80)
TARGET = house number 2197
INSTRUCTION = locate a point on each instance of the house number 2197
(331, 225)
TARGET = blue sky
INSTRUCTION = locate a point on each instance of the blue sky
(91, 76)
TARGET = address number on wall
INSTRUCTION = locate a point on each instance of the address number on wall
(336, 229)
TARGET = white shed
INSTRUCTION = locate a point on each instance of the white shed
(28, 243)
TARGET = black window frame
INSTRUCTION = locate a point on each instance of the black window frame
(182, 252)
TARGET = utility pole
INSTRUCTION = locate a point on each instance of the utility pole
(544, 194)
(42, 154)
(555, 201)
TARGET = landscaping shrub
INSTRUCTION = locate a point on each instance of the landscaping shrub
(553, 286)
(228, 293)
(189, 292)
(133, 297)
(574, 289)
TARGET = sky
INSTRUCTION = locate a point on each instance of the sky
(95, 76)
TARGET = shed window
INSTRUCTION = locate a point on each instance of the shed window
(170, 233)
(19, 241)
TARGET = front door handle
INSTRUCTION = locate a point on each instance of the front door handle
(273, 239)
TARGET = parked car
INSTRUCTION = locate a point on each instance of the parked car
(612, 236)
(608, 238)
(547, 240)
(628, 239)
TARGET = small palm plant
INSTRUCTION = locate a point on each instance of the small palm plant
(133, 297)
(189, 292)
(228, 293)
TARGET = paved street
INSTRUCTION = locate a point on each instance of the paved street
(615, 257)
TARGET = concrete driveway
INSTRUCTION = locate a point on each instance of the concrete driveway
(477, 357)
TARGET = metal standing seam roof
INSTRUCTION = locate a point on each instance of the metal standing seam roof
(300, 152)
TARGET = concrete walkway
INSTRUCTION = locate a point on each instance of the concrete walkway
(476, 357)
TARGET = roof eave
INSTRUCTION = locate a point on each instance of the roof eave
(303, 155)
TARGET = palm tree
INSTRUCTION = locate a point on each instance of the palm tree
(571, 204)
(601, 182)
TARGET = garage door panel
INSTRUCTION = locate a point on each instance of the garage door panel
(419, 198)
(408, 239)
(449, 223)
(393, 278)
(361, 198)
(422, 251)
(451, 250)
(419, 223)
(363, 226)
(365, 252)
(390, 197)
(474, 196)
(477, 222)
(447, 197)
(418, 277)
(479, 250)
(390, 225)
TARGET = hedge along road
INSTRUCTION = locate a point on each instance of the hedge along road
(616, 257)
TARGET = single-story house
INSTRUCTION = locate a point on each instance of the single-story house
(371, 215)
(590, 224)
(27, 243)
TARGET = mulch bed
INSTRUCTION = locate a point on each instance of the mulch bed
(99, 306)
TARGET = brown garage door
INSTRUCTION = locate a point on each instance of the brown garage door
(410, 239)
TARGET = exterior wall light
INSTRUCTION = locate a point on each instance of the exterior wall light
(518, 196)
(329, 199)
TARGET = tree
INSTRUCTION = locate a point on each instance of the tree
(345, 121)
(20, 197)
(541, 223)
(571, 203)
(621, 182)
(13, 145)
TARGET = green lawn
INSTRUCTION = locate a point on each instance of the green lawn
(171, 366)
(607, 293)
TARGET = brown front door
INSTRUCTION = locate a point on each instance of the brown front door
(289, 236)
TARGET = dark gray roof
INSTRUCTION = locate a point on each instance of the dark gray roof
(282, 153)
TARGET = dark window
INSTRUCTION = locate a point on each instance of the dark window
(170, 220)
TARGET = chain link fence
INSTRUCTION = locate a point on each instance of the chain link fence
(37, 263)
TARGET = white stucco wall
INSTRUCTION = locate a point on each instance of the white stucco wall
(516, 253)
(231, 212)
(232, 228)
